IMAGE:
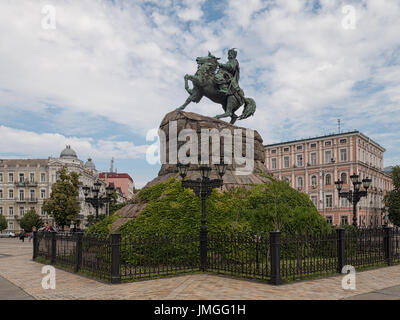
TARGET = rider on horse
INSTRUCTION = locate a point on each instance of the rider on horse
(228, 81)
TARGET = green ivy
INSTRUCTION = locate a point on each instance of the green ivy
(171, 209)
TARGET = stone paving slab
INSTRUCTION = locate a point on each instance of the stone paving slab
(9, 291)
(19, 269)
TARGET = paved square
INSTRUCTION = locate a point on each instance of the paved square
(19, 269)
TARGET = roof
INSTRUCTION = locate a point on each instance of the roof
(68, 153)
(113, 175)
(324, 137)
(90, 165)
(24, 162)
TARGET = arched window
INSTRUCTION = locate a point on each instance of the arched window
(300, 182)
(343, 177)
(314, 181)
(328, 179)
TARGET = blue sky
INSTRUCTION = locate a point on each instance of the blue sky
(111, 70)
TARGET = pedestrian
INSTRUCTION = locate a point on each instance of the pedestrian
(22, 235)
(31, 235)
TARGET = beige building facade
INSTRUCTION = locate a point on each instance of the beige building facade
(313, 165)
(26, 183)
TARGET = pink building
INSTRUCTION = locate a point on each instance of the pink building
(313, 165)
(120, 180)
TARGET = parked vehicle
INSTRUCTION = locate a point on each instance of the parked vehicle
(7, 235)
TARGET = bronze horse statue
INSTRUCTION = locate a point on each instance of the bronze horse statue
(208, 82)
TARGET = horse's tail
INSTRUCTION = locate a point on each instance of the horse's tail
(249, 108)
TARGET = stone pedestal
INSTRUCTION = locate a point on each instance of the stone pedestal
(173, 125)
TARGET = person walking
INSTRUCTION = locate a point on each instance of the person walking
(31, 235)
(22, 235)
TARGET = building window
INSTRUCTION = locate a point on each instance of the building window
(1, 193)
(286, 162)
(300, 182)
(32, 177)
(299, 148)
(21, 211)
(273, 151)
(42, 211)
(273, 163)
(42, 177)
(328, 199)
(343, 177)
(286, 150)
(314, 200)
(1, 211)
(313, 145)
(10, 194)
(313, 158)
(343, 220)
(314, 181)
(10, 211)
(344, 203)
(21, 195)
(327, 143)
(299, 160)
(329, 219)
(343, 155)
(11, 177)
(328, 179)
(32, 194)
(11, 226)
(328, 156)
(343, 141)
(43, 193)
(21, 178)
(1, 177)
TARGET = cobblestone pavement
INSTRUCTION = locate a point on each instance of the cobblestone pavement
(16, 266)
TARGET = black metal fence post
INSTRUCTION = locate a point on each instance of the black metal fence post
(115, 258)
(35, 245)
(340, 250)
(275, 249)
(78, 251)
(388, 237)
(53, 247)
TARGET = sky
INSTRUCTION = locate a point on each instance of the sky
(100, 74)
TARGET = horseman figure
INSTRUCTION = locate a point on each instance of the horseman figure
(220, 83)
(228, 79)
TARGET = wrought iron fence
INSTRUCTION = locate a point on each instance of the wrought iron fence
(272, 257)
(149, 256)
(243, 254)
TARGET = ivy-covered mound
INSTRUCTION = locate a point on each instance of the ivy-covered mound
(171, 209)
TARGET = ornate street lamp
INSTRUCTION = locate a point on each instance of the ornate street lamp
(98, 200)
(354, 196)
(203, 188)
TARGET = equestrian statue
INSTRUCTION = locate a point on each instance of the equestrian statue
(220, 83)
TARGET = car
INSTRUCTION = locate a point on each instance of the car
(7, 235)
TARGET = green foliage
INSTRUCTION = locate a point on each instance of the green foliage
(3, 223)
(274, 206)
(392, 199)
(102, 226)
(31, 219)
(63, 203)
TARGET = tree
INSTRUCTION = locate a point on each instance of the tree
(3, 223)
(63, 203)
(30, 220)
(392, 199)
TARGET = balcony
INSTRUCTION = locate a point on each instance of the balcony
(26, 183)
(32, 200)
(21, 200)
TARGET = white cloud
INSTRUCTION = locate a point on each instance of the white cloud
(126, 62)
(31, 144)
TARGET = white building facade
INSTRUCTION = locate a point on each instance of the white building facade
(26, 183)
